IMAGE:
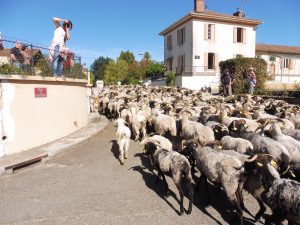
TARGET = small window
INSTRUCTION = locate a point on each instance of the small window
(210, 60)
(272, 59)
(239, 37)
(209, 31)
(169, 42)
(181, 36)
(286, 63)
(239, 56)
(180, 63)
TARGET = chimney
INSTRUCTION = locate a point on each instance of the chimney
(199, 5)
(239, 13)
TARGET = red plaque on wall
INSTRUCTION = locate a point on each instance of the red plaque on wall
(40, 92)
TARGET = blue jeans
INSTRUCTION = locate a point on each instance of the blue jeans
(58, 62)
(17, 64)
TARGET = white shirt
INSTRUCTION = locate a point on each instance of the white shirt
(59, 36)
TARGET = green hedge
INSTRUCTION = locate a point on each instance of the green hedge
(239, 66)
(9, 69)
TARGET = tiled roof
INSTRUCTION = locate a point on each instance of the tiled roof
(211, 16)
(262, 48)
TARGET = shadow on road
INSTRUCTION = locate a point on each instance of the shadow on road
(216, 198)
(150, 178)
(115, 149)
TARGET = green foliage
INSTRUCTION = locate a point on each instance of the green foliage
(134, 74)
(92, 77)
(170, 78)
(239, 66)
(76, 71)
(127, 56)
(98, 68)
(42, 67)
(9, 69)
(116, 71)
(154, 69)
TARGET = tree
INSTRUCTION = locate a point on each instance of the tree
(127, 56)
(115, 71)
(154, 69)
(98, 67)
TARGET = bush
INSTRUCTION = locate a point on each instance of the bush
(170, 79)
(10, 69)
(239, 66)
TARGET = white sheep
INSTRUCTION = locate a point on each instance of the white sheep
(123, 133)
(238, 144)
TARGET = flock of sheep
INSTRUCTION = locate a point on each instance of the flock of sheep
(236, 143)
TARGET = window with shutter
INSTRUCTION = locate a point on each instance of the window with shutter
(180, 36)
(169, 42)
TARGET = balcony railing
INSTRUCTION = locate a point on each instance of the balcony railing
(38, 61)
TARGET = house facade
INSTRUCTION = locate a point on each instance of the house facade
(283, 62)
(195, 44)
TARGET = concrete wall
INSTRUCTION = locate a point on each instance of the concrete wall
(196, 82)
(30, 119)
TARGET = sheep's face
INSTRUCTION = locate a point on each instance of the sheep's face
(220, 131)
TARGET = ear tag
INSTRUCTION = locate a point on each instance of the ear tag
(259, 164)
(246, 126)
(216, 131)
(281, 125)
(220, 147)
(235, 128)
(273, 163)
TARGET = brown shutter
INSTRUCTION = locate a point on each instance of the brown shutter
(183, 35)
(178, 37)
(213, 32)
(244, 35)
(205, 60)
(206, 31)
(234, 34)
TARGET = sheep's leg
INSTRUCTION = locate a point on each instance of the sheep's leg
(191, 193)
(262, 208)
(236, 203)
(126, 148)
(167, 193)
(121, 147)
(177, 180)
(275, 218)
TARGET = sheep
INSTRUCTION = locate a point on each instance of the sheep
(291, 144)
(166, 161)
(195, 130)
(138, 123)
(164, 123)
(219, 129)
(159, 141)
(220, 169)
(123, 133)
(262, 144)
(281, 195)
(238, 144)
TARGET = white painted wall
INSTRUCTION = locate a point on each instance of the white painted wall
(284, 74)
(29, 122)
(184, 49)
(223, 44)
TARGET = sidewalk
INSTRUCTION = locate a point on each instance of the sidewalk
(9, 163)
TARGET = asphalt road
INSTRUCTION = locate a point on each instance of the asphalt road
(87, 185)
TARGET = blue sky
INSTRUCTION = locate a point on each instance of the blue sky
(104, 28)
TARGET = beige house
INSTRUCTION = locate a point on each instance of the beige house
(195, 44)
(283, 61)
